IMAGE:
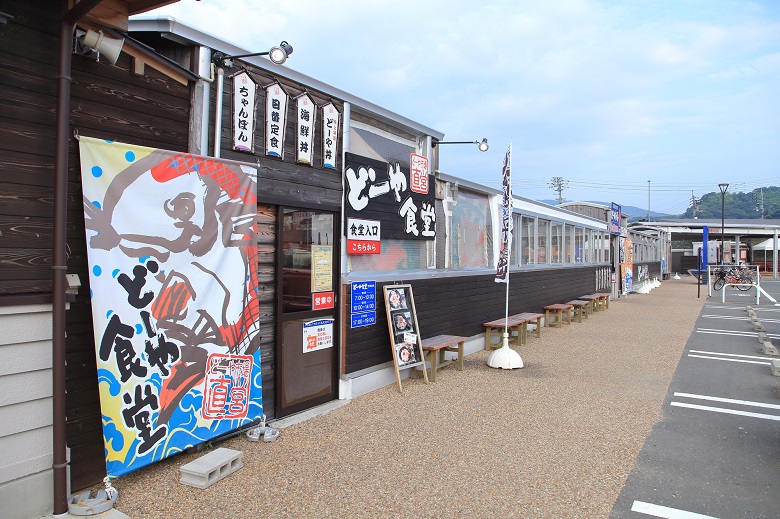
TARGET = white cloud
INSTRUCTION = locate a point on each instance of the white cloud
(603, 89)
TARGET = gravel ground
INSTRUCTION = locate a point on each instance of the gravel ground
(555, 439)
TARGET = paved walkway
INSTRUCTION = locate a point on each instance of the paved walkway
(555, 439)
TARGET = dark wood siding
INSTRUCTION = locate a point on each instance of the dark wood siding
(28, 91)
(459, 305)
(107, 102)
(266, 265)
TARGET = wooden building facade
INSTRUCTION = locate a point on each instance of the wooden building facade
(150, 97)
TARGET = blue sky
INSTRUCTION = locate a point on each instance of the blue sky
(605, 94)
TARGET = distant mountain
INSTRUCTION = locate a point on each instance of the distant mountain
(629, 210)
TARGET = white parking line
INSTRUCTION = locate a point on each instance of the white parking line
(730, 360)
(727, 354)
(732, 333)
(726, 411)
(736, 318)
(742, 308)
(665, 511)
(727, 400)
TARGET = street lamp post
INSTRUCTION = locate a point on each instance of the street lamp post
(723, 188)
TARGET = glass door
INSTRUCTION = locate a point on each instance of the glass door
(307, 348)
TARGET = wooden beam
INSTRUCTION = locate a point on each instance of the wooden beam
(160, 66)
(109, 13)
(137, 66)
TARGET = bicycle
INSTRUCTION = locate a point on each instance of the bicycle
(741, 277)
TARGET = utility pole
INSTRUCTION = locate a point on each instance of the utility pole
(695, 204)
(648, 200)
(760, 206)
(557, 183)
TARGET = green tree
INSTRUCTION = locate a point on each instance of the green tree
(739, 205)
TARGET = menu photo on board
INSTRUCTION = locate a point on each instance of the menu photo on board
(402, 325)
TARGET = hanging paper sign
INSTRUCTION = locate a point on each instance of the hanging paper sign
(317, 335)
(363, 236)
(244, 90)
(330, 135)
(306, 115)
(322, 301)
(275, 119)
(418, 173)
(321, 268)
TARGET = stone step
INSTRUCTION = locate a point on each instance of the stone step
(211, 467)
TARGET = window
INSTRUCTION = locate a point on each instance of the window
(556, 242)
(542, 252)
(471, 240)
(586, 245)
(568, 238)
(306, 235)
(396, 255)
(579, 242)
(516, 235)
(527, 241)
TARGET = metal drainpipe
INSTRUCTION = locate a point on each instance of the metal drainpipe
(59, 284)
(218, 112)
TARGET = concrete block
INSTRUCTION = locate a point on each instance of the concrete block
(776, 367)
(758, 327)
(769, 348)
(210, 468)
(762, 337)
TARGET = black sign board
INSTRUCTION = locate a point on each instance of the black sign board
(376, 190)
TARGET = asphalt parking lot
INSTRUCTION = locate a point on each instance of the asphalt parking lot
(716, 451)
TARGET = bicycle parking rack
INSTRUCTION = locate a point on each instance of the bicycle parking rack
(757, 285)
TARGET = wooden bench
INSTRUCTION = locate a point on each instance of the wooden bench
(531, 318)
(517, 323)
(434, 347)
(557, 311)
(598, 301)
(581, 308)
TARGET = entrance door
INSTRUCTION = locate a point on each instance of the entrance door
(307, 347)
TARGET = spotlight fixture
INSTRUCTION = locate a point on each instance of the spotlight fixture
(277, 54)
(481, 145)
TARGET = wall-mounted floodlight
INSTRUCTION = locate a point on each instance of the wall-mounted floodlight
(481, 145)
(278, 55)
(87, 43)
